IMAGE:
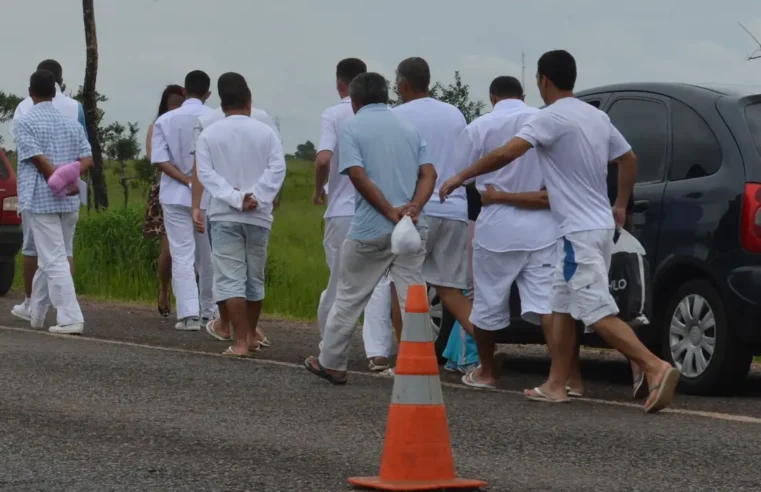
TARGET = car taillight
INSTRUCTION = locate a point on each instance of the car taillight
(750, 232)
(9, 214)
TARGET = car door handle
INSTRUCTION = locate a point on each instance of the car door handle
(641, 205)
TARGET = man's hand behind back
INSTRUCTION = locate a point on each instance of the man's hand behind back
(412, 210)
(249, 202)
(199, 224)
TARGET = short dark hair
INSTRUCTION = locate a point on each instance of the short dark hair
(369, 88)
(197, 83)
(506, 86)
(42, 84)
(560, 68)
(416, 72)
(233, 91)
(54, 67)
(348, 68)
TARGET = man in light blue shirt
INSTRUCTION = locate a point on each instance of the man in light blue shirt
(389, 166)
(70, 108)
(46, 139)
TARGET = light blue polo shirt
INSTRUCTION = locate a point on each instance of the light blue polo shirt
(391, 152)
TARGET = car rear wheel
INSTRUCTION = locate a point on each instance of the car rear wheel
(698, 340)
(7, 271)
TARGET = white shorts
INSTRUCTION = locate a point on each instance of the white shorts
(580, 287)
(29, 249)
(446, 256)
(493, 277)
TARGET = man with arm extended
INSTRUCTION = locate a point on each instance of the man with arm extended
(46, 139)
(515, 237)
(439, 124)
(171, 150)
(376, 331)
(73, 109)
(388, 164)
(575, 142)
(220, 328)
(240, 162)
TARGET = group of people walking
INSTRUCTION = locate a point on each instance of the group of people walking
(546, 222)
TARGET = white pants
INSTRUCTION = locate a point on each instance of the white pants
(580, 286)
(377, 332)
(190, 252)
(52, 284)
(493, 276)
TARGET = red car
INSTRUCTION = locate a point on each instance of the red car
(10, 224)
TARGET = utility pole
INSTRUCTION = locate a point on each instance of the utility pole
(523, 70)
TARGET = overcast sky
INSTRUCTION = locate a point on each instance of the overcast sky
(287, 49)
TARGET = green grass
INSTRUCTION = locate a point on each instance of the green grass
(113, 261)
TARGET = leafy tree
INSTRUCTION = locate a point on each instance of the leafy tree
(457, 94)
(122, 147)
(8, 104)
(306, 151)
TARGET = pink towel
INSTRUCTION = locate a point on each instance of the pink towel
(63, 177)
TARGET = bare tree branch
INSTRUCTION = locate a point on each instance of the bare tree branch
(756, 54)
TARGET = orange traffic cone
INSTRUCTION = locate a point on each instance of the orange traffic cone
(417, 454)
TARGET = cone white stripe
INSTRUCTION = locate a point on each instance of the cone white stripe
(417, 328)
(417, 390)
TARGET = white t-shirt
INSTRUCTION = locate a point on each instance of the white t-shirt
(240, 155)
(205, 120)
(172, 142)
(440, 124)
(575, 142)
(339, 188)
(499, 227)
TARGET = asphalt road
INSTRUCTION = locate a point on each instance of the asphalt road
(135, 406)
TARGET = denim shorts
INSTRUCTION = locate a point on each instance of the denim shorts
(239, 256)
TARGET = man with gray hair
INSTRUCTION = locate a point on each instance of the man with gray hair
(387, 161)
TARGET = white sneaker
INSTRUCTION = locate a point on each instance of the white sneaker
(21, 311)
(75, 329)
(191, 323)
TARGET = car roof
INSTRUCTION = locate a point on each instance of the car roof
(676, 89)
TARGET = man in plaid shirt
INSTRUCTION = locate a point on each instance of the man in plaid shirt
(46, 139)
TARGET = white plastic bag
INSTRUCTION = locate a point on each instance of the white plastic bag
(405, 240)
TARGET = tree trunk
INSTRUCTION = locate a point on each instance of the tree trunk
(100, 192)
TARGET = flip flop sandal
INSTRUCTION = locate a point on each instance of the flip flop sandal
(320, 372)
(665, 391)
(389, 373)
(265, 342)
(212, 330)
(377, 368)
(541, 397)
(639, 388)
(573, 393)
(230, 352)
(468, 380)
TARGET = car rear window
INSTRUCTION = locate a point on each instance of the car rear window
(753, 117)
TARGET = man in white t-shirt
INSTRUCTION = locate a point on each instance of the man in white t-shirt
(376, 329)
(574, 142)
(440, 124)
(73, 109)
(220, 328)
(240, 161)
(171, 151)
(515, 237)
